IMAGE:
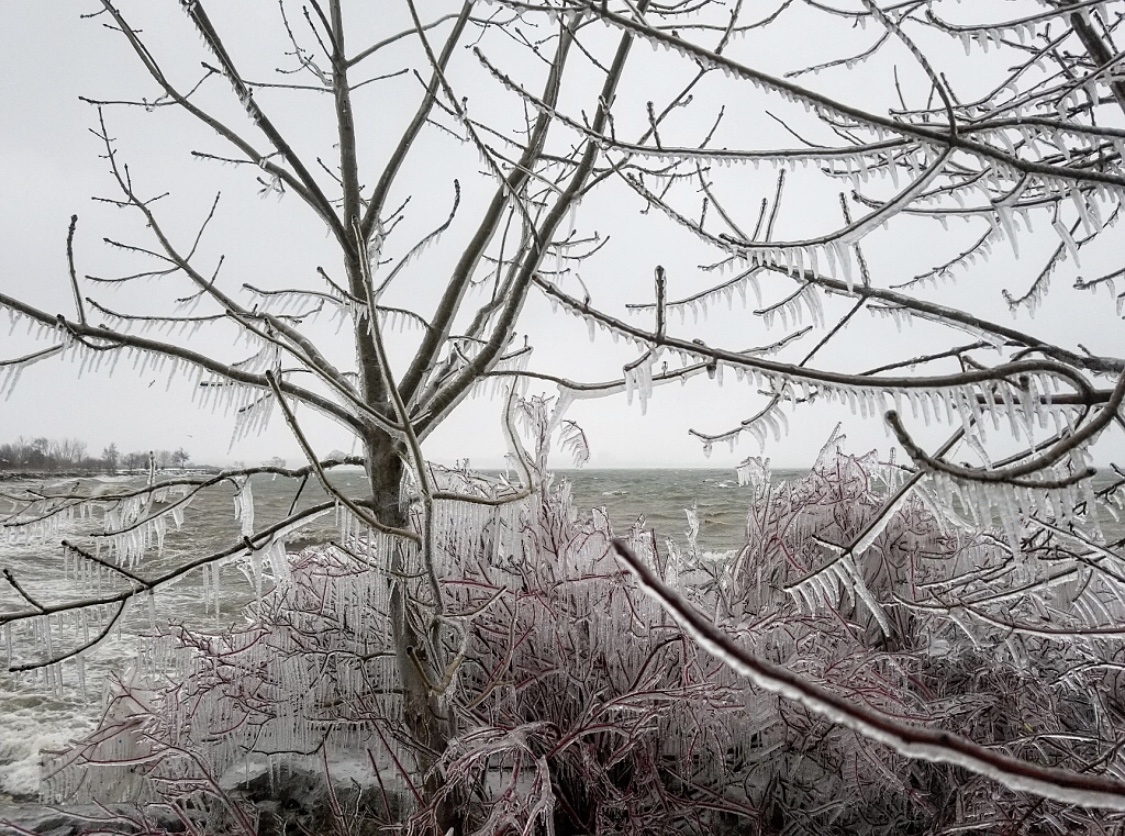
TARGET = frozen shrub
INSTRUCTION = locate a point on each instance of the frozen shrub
(576, 703)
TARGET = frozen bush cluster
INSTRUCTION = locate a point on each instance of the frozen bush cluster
(578, 706)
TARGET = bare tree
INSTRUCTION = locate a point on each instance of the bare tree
(111, 457)
(135, 460)
(1023, 132)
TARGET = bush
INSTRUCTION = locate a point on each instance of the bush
(578, 705)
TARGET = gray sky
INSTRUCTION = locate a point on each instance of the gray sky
(50, 168)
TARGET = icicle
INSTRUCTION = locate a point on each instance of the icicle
(844, 258)
(279, 561)
(244, 507)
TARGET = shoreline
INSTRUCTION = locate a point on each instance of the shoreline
(41, 475)
(38, 475)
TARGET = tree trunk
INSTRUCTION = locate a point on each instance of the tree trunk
(428, 726)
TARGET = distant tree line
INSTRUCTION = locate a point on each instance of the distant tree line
(71, 454)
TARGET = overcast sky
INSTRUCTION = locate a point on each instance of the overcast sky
(50, 168)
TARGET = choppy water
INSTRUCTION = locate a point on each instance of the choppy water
(41, 712)
(663, 495)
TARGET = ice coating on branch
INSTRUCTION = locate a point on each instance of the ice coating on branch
(827, 586)
(794, 307)
(754, 472)
(831, 448)
(498, 385)
(638, 378)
